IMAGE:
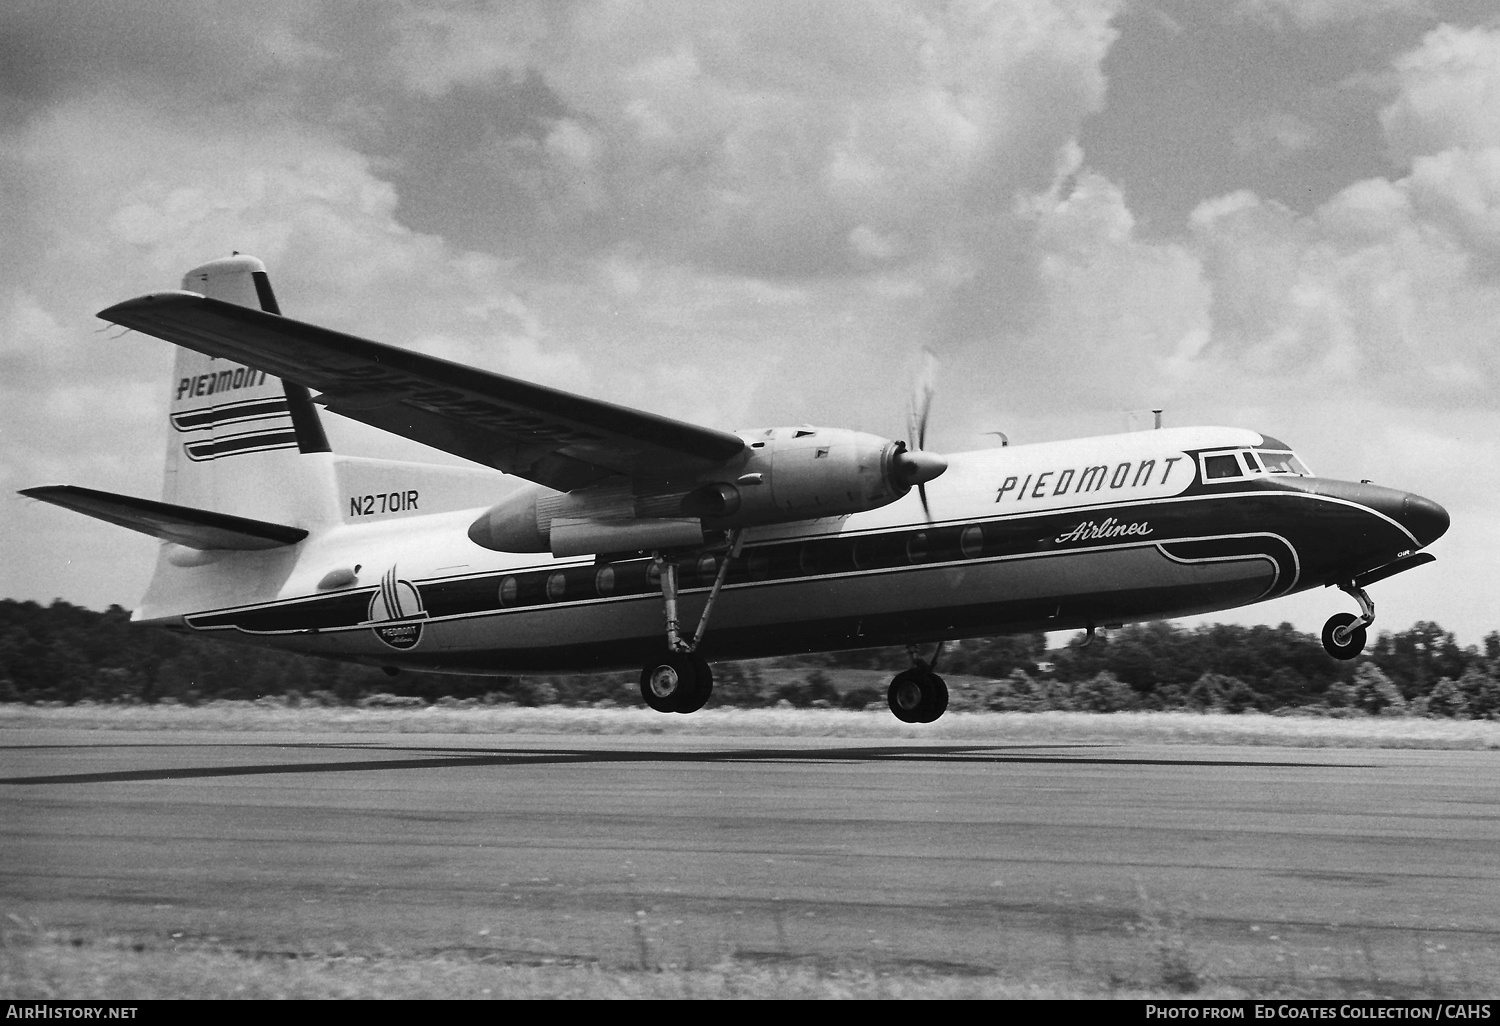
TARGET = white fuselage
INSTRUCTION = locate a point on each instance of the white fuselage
(1056, 535)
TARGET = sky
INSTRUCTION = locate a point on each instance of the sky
(1275, 214)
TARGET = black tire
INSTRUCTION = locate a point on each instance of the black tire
(1356, 640)
(940, 697)
(691, 703)
(917, 697)
(676, 682)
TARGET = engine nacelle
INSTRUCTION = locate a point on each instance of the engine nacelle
(783, 474)
(537, 519)
(804, 473)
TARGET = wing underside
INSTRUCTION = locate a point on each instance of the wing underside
(555, 438)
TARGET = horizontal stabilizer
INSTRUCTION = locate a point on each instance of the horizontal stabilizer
(194, 528)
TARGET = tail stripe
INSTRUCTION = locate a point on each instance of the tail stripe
(228, 413)
(234, 445)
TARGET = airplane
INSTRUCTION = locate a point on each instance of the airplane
(589, 536)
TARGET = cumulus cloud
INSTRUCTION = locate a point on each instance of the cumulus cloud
(1449, 94)
(786, 139)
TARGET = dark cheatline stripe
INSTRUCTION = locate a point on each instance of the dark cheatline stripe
(1297, 541)
(902, 549)
(230, 413)
(236, 445)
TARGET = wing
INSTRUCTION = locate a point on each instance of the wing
(554, 438)
(195, 528)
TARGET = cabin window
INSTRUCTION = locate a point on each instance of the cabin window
(971, 542)
(807, 558)
(864, 552)
(708, 568)
(604, 580)
(556, 585)
(509, 590)
(758, 564)
(916, 547)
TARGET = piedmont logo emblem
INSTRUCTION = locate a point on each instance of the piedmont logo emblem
(396, 612)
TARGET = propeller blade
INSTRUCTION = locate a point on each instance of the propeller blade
(918, 467)
(921, 400)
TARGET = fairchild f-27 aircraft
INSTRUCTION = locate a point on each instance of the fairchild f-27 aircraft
(634, 540)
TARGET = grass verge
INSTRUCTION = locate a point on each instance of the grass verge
(987, 727)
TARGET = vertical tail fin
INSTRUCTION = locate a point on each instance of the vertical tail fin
(238, 438)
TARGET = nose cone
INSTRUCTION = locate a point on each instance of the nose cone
(1425, 519)
(915, 468)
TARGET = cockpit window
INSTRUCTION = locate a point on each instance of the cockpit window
(1245, 463)
(1283, 463)
(1217, 468)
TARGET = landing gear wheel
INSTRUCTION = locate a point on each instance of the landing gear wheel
(677, 682)
(691, 703)
(1353, 642)
(916, 696)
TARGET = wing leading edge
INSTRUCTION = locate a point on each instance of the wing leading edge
(555, 438)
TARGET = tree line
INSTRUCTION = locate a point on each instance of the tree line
(65, 653)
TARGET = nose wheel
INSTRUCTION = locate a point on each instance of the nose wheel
(1345, 635)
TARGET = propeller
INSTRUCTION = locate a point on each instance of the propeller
(919, 467)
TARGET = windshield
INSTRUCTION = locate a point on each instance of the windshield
(1283, 463)
(1240, 464)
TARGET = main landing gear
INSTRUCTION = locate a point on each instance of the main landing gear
(677, 682)
(1344, 634)
(918, 695)
(680, 680)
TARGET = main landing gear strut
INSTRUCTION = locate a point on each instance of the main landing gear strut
(1344, 634)
(680, 680)
(919, 695)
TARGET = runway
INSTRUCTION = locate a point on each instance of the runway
(1357, 870)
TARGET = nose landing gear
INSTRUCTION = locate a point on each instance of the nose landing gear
(1344, 634)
